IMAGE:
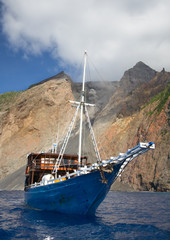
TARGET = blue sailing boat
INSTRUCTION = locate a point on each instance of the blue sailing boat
(67, 183)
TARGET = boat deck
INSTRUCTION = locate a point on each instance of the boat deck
(40, 164)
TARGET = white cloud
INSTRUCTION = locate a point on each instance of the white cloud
(117, 34)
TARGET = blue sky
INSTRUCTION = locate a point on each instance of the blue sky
(44, 37)
(17, 73)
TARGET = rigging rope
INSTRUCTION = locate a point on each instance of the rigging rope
(93, 137)
(60, 156)
(100, 77)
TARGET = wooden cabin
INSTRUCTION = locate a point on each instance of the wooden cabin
(40, 164)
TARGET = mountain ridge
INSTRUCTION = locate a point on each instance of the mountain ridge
(30, 122)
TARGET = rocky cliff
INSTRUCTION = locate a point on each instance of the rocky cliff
(135, 109)
(137, 114)
(31, 121)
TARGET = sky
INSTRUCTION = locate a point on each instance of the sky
(40, 38)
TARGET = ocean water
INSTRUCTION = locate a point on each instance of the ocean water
(121, 215)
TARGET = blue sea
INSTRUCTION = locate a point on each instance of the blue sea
(121, 215)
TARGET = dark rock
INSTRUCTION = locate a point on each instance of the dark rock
(134, 77)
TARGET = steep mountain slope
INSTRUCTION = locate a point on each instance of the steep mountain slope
(152, 123)
(125, 114)
(125, 121)
(136, 76)
(137, 86)
(31, 121)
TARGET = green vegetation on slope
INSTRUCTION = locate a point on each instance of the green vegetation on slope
(162, 98)
(7, 98)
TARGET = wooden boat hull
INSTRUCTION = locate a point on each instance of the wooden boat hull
(79, 195)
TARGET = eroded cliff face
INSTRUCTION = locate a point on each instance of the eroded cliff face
(139, 114)
(126, 114)
(32, 121)
(151, 170)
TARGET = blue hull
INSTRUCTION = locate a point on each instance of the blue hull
(79, 195)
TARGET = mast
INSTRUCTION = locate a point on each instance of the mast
(81, 109)
(82, 106)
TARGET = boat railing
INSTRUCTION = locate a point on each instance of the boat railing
(59, 179)
(49, 164)
(126, 157)
(130, 154)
